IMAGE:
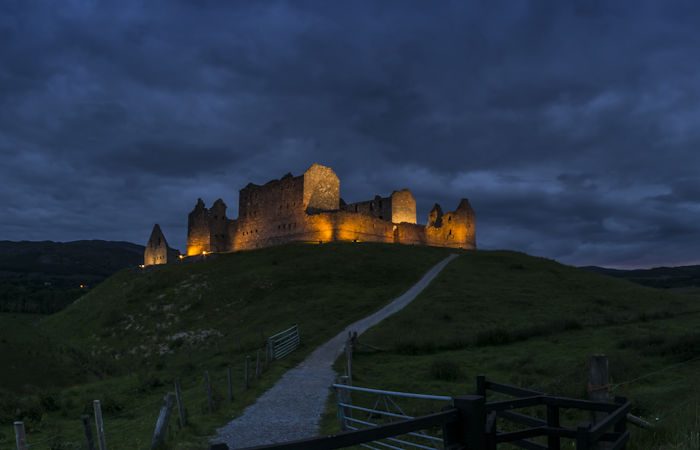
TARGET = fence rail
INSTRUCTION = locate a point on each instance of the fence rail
(470, 422)
(284, 342)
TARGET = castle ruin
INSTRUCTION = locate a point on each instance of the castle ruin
(308, 208)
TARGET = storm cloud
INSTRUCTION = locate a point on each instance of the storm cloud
(572, 127)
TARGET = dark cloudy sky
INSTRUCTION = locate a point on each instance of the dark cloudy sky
(572, 127)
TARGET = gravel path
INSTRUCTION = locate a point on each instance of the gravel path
(292, 408)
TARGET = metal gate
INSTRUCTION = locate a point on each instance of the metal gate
(385, 409)
(284, 342)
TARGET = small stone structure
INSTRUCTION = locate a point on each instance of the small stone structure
(157, 250)
(308, 208)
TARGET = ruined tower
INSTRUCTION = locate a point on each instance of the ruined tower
(157, 250)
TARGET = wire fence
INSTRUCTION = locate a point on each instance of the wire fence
(198, 397)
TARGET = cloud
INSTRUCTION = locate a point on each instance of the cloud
(569, 126)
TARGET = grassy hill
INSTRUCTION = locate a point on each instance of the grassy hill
(533, 322)
(519, 319)
(142, 328)
(658, 277)
(46, 276)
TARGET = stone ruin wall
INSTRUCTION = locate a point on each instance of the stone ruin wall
(308, 208)
(157, 250)
(321, 189)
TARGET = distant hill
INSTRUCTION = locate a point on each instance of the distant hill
(658, 277)
(46, 276)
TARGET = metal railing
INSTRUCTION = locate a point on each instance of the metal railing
(385, 399)
(284, 342)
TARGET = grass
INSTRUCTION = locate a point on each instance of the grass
(533, 322)
(526, 321)
(139, 330)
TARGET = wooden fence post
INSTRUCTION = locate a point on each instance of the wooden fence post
(163, 419)
(472, 426)
(20, 436)
(344, 396)
(553, 442)
(267, 357)
(598, 387)
(257, 364)
(208, 385)
(246, 378)
(481, 385)
(89, 440)
(99, 425)
(348, 357)
(230, 384)
(583, 436)
(180, 405)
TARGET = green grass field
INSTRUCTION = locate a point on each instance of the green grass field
(518, 319)
(127, 340)
(533, 323)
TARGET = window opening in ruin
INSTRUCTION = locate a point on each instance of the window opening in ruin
(357, 208)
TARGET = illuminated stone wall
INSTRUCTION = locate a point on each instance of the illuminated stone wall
(403, 207)
(307, 208)
(198, 232)
(321, 189)
(157, 250)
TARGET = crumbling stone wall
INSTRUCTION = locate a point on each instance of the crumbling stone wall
(308, 208)
(403, 207)
(157, 250)
(321, 189)
(198, 232)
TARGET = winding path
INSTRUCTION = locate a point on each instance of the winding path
(292, 408)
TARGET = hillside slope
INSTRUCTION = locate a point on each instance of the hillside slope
(534, 322)
(658, 277)
(46, 276)
(143, 328)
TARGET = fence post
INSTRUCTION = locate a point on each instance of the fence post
(180, 406)
(621, 425)
(598, 386)
(271, 349)
(583, 436)
(99, 425)
(344, 396)
(257, 365)
(553, 442)
(89, 440)
(230, 384)
(246, 378)
(472, 422)
(208, 385)
(20, 436)
(348, 357)
(163, 419)
(267, 357)
(481, 385)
